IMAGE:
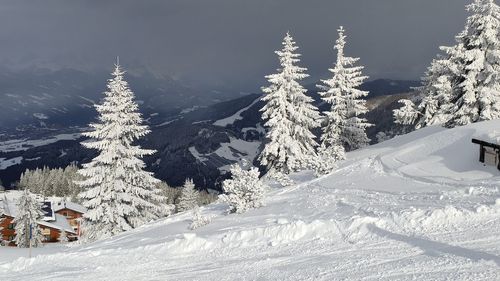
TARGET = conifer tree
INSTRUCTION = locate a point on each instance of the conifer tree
(407, 114)
(344, 127)
(433, 105)
(28, 213)
(118, 193)
(189, 196)
(244, 190)
(289, 117)
(477, 97)
(462, 86)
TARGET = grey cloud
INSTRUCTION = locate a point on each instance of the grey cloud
(226, 42)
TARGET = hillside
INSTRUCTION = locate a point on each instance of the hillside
(198, 142)
(418, 207)
(43, 100)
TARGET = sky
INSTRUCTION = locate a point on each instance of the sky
(226, 43)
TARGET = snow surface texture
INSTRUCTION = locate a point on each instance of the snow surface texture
(418, 207)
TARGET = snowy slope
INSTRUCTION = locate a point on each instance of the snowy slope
(418, 207)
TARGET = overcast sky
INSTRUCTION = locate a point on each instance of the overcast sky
(226, 42)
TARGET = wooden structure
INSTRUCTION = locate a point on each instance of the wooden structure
(72, 212)
(489, 153)
(8, 232)
(56, 218)
(51, 230)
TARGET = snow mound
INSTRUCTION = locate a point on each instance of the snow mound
(449, 217)
(283, 233)
(440, 155)
(187, 243)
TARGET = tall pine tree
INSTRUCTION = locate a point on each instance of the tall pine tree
(344, 127)
(289, 117)
(462, 86)
(118, 193)
(28, 213)
(477, 97)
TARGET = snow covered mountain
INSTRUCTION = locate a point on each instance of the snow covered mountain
(45, 99)
(417, 207)
(198, 142)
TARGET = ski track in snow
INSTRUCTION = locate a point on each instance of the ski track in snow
(406, 209)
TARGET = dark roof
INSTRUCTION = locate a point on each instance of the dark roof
(485, 143)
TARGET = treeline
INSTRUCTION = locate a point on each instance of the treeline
(61, 182)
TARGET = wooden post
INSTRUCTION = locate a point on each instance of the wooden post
(481, 153)
(30, 236)
(498, 159)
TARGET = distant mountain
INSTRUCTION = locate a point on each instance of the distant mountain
(384, 87)
(197, 142)
(188, 145)
(58, 99)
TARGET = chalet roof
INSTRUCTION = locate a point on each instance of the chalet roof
(69, 205)
(60, 223)
(49, 208)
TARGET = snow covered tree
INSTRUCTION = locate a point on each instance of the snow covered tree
(189, 196)
(478, 94)
(462, 86)
(198, 219)
(407, 114)
(118, 193)
(437, 91)
(435, 94)
(289, 117)
(244, 190)
(344, 129)
(63, 237)
(28, 213)
(51, 182)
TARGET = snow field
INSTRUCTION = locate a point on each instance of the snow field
(369, 220)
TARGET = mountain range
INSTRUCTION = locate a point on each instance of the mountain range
(195, 135)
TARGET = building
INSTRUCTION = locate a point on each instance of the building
(52, 224)
(51, 230)
(489, 152)
(72, 212)
(7, 230)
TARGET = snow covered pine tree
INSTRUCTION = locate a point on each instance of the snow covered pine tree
(343, 128)
(463, 85)
(478, 95)
(189, 197)
(28, 213)
(289, 118)
(118, 193)
(244, 190)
